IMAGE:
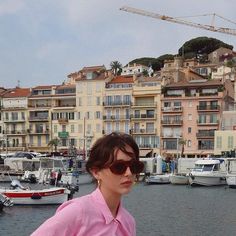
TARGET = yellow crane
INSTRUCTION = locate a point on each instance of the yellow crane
(183, 22)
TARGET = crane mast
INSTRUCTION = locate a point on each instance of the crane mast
(179, 21)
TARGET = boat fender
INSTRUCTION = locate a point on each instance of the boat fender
(36, 196)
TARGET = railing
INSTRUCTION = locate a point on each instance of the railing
(40, 118)
(15, 132)
(172, 122)
(118, 103)
(172, 109)
(148, 104)
(205, 134)
(116, 117)
(143, 131)
(142, 116)
(208, 107)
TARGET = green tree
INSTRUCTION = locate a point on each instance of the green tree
(54, 143)
(116, 67)
(182, 142)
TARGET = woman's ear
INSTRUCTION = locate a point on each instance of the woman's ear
(96, 173)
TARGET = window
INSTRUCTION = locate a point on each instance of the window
(63, 127)
(98, 115)
(89, 88)
(80, 102)
(79, 115)
(55, 129)
(72, 128)
(80, 128)
(98, 101)
(202, 119)
(189, 143)
(189, 116)
(190, 104)
(98, 128)
(150, 127)
(218, 142)
(230, 142)
(213, 118)
(89, 100)
(189, 130)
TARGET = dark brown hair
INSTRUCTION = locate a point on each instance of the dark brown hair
(104, 150)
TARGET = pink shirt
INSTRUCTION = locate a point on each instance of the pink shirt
(88, 216)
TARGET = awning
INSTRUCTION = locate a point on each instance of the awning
(144, 152)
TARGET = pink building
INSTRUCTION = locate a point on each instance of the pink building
(191, 112)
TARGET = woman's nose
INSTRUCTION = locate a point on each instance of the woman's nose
(128, 171)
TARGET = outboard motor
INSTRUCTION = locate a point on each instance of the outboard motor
(16, 184)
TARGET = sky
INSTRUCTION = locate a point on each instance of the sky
(43, 41)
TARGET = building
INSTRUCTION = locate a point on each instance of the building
(15, 119)
(191, 112)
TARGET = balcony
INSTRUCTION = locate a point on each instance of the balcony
(38, 118)
(172, 122)
(167, 135)
(171, 109)
(143, 131)
(208, 108)
(115, 118)
(205, 134)
(63, 121)
(38, 131)
(199, 122)
(142, 116)
(14, 120)
(118, 103)
(15, 132)
(148, 104)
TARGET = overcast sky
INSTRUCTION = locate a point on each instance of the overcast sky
(42, 41)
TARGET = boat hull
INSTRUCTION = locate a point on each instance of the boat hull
(179, 179)
(37, 197)
(231, 181)
(158, 179)
(206, 180)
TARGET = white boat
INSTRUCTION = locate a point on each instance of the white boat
(207, 172)
(179, 179)
(158, 179)
(21, 195)
(5, 201)
(231, 172)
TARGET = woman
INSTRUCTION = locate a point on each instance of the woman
(114, 163)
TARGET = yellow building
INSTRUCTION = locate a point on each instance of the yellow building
(146, 114)
(90, 85)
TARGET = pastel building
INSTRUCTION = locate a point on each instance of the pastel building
(191, 113)
(15, 119)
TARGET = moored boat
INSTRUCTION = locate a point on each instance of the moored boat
(207, 172)
(20, 195)
(179, 179)
(231, 172)
(158, 179)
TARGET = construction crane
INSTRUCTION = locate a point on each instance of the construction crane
(183, 22)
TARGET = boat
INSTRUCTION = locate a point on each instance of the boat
(176, 177)
(231, 172)
(207, 172)
(21, 195)
(181, 179)
(158, 179)
(5, 201)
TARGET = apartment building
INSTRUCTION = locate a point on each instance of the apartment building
(145, 114)
(225, 139)
(64, 116)
(191, 112)
(117, 104)
(90, 86)
(15, 119)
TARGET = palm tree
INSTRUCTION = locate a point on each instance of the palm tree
(54, 143)
(182, 142)
(116, 67)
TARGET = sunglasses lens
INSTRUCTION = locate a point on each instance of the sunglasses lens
(136, 167)
(118, 168)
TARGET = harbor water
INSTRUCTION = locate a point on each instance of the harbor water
(159, 210)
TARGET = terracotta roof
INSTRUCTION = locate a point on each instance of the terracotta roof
(122, 79)
(195, 83)
(17, 92)
(98, 77)
(93, 68)
(66, 86)
(41, 87)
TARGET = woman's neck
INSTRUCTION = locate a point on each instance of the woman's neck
(112, 200)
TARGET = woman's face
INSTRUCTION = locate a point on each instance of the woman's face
(113, 184)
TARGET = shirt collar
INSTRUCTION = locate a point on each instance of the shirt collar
(100, 201)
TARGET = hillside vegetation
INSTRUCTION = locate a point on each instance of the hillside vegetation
(198, 47)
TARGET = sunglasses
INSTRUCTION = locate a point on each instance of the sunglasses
(119, 167)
